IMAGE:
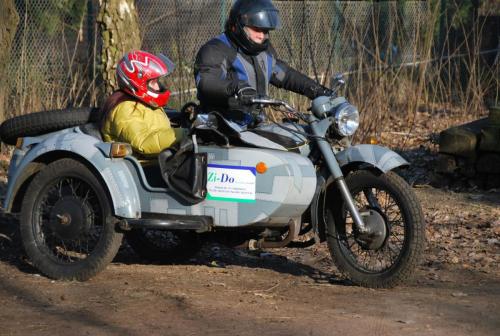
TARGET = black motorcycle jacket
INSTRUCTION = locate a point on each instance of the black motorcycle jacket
(221, 70)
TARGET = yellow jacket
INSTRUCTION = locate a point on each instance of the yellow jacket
(147, 130)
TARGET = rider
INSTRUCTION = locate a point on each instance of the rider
(134, 113)
(239, 64)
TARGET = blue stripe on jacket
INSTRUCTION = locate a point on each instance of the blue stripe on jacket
(237, 65)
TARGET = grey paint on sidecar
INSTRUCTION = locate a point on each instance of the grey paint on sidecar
(283, 192)
(380, 157)
(291, 193)
(115, 174)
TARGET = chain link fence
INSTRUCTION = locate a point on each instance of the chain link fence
(318, 38)
(53, 61)
(55, 50)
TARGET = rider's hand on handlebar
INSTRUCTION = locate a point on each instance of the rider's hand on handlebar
(246, 94)
(323, 91)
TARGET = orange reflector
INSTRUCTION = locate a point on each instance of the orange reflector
(373, 140)
(119, 150)
(261, 168)
(19, 143)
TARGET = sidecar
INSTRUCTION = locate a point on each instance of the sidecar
(246, 186)
(75, 193)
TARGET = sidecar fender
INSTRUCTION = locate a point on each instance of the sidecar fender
(114, 173)
(379, 157)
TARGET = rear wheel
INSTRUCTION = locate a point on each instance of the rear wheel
(66, 223)
(390, 204)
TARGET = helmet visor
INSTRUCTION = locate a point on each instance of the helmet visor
(267, 19)
(160, 85)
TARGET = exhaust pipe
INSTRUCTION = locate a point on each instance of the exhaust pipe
(263, 243)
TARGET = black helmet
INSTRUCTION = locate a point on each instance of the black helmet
(252, 13)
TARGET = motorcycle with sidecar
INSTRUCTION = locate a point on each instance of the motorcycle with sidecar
(77, 196)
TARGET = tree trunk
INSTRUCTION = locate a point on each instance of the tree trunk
(8, 26)
(119, 25)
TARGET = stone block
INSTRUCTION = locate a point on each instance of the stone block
(490, 139)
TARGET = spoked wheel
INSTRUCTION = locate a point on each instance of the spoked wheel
(389, 206)
(164, 246)
(66, 224)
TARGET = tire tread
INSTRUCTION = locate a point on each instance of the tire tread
(90, 266)
(416, 245)
(37, 123)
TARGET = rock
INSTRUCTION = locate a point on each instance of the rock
(492, 241)
(487, 261)
(405, 321)
(214, 263)
(459, 294)
(486, 225)
(461, 140)
(476, 197)
(478, 257)
(490, 140)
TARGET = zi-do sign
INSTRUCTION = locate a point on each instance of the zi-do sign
(231, 183)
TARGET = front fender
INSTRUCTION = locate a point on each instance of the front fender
(379, 157)
(114, 172)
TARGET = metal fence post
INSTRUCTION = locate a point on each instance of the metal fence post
(223, 11)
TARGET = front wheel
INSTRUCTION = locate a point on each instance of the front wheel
(66, 222)
(391, 204)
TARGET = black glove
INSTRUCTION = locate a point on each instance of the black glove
(321, 90)
(246, 94)
(243, 108)
(242, 100)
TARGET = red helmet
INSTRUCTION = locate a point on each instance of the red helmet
(136, 73)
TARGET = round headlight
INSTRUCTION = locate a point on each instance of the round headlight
(346, 119)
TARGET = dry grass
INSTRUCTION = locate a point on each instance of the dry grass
(381, 80)
(57, 78)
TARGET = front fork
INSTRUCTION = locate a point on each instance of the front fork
(319, 130)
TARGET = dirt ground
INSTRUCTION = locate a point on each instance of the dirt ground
(224, 291)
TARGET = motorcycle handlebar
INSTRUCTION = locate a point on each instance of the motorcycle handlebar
(270, 101)
(266, 100)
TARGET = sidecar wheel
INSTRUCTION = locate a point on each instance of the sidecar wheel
(163, 246)
(398, 209)
(66, 223)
